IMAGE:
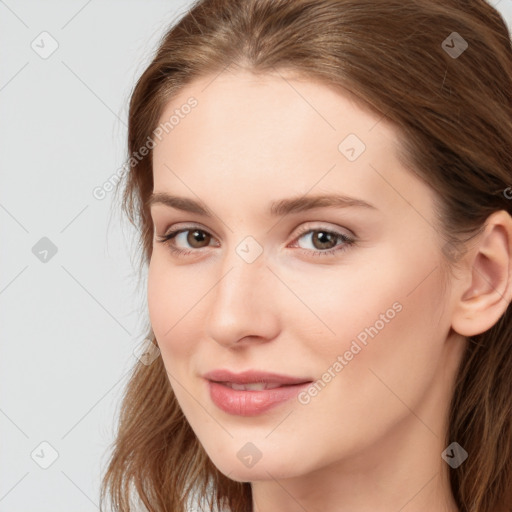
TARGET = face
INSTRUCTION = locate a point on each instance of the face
(345, 302)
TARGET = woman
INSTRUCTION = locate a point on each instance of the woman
(323, 193)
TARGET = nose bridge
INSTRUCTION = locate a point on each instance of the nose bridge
(244, 270)
(241, 302)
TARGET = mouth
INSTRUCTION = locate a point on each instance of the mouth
(254, 386)
(252, 392)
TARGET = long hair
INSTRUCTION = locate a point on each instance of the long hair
(453, 112)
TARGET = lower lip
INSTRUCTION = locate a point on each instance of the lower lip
(251, 403)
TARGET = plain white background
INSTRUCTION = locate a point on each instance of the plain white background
(69, 324)
(71, 319)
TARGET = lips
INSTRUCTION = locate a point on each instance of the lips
(251, 392)
(254, 376)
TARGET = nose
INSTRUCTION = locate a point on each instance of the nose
(242, 307)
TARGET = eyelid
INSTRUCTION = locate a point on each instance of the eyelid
(305, 228)
(319, 226)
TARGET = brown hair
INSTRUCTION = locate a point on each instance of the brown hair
(454, 116)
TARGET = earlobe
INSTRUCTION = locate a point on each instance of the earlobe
(489, 273)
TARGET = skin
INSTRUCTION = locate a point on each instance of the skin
(372, 438)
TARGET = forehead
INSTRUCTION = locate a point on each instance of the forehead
(256, 136)
(265, 105)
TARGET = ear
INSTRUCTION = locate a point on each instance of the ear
(485, 289)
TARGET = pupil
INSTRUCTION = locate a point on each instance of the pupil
(197, 237)
(324, 237)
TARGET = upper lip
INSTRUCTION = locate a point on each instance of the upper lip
(252, 376)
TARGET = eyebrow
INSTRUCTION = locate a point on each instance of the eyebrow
(277, 208)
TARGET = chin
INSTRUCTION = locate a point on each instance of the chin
(259, 473)
(265, 469)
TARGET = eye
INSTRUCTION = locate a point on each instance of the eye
(196, 236)
(324, 240)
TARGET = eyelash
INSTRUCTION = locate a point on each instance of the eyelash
(347, 241)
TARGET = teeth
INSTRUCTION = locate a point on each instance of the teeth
(256, 386)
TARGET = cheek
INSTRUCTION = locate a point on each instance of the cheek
(171, 298)
(388, 341)
(392, 362)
